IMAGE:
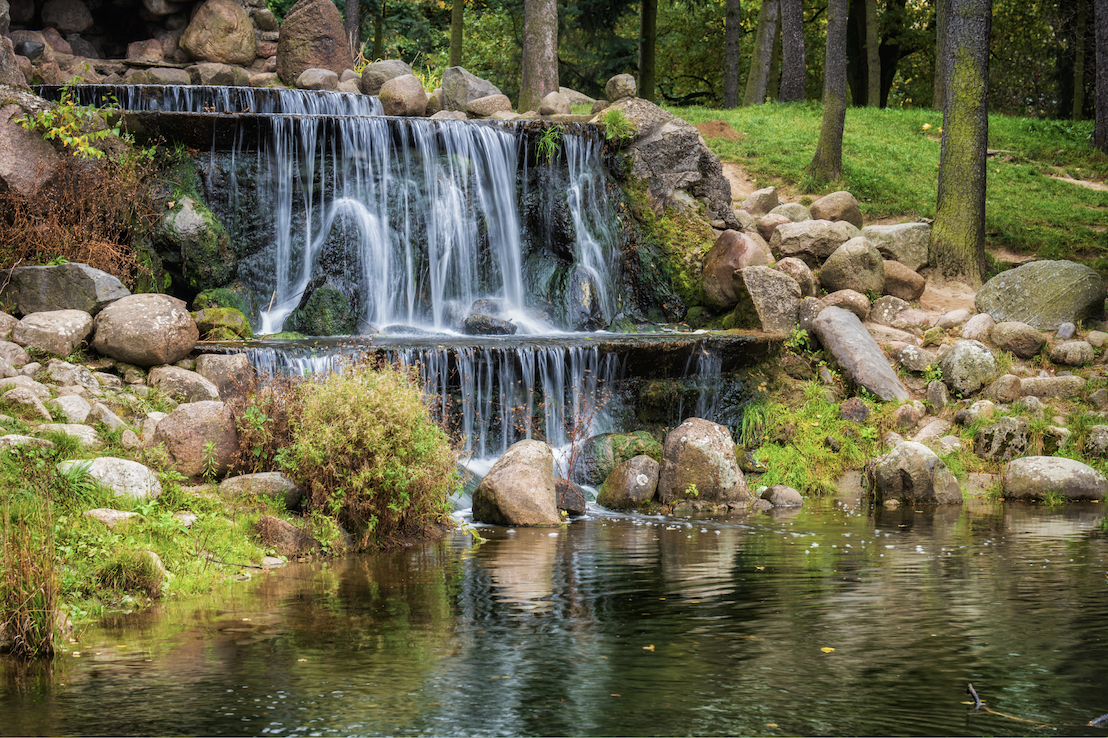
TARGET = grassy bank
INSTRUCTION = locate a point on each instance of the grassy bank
(890, 163)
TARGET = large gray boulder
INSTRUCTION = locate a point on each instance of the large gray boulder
(630, 484)
(1065, 386)
(376, 74)
(187, 432)
(903, 242)
(1036, 477)
(761, 202)
(145, 330)
(221, 31)
(733, 250)
(856, 265)
(37, 289)
(460, 88)
(230, 373)
(64, 374)
(273, 484)
(799, 271)
(485, 107)
(620, 87)
(841, 332)
(913, 473)
(811, 240)
(519, 489)
(836, 206)
(1043, 294)
(312, 37)
(58, 332)
(125, 477)
(1073, 353)
(1006, 438)
(602, 453)
(766, 300)
(403, 95)
(698, 462)
(968, 366)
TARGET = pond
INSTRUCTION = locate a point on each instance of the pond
(835, 619)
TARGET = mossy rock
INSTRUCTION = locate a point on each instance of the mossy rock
(326, 313)
(235, 296)
(600, 454)
(191, 239)
(222, 324)
(286, 336)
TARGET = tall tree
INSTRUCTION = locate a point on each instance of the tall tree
(792, 51)
(540, 53)
(353, 24)
(761, 57)
(957, 246)
(457, 20)
(1079, 60)
(648, 40)
(1100, 124)
(938, 97)
(827, 164)
(873, 55)
(732, 35)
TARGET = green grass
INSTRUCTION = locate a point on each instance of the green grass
(890, 163)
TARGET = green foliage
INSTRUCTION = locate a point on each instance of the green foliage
(933, 373)
(617, 126)
(549, 143)
(78, 127)
(365, 447)
(28, 585)
(131, 571)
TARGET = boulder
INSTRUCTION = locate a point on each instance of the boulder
(837, 206)
(221, 31)
(761, 202)
(148, 51)
(7, 325)
(434, 102)
(794, 211)
(284, 537)
(620, 87)
(145, 330)
(733, 250)
(1043, 294)
(1007, 388)
(102, 414)
(903, 242)
(403, 95)
(855, 302)
(913, 473)
(1073, 353)
(58, 332)
(222, 324)
(459, 88)
(487, 325)
(1097, 442)
(979, 327)
(902, 282)
(193, 240)
(967, 366)
(856, 265)
(953, 318)
(108, 516)
(1033, 477)
(766, 300)
(811, 240)
(630, 484)
(555, 103)
(27, 162)
(317, 79)
(39, 390)
(519, 489)
(938, 395)
(312, 37)
(698, 462)
(83, 433)
(600, 454)
(183, 385)
(1019, 338)
(37, 289)
(484, 107)
(273, 484)
(1006, 438)
(571, 497)
(160, 76)
(914, 359)
(125, 477)
(230, 373)
(1067, 386)
(885, 309)
(64, 374)
(67, 16)
(14, 440)
(799, 271)
(780, 495)
(187, 432)
(861, 359)
(24, 397)
(75, 409)
(768, 223)
(854, 410)
(376, 74)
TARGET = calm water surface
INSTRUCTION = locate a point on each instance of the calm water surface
(625, 625)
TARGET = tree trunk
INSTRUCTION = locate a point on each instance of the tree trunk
(792, 51)
(353, 25)
(648, 37)
(774, 85)
(938, 96)
(873, 55)
(1100, 124)
(957, 247)
(732, 35)
(827, 165)
(761, 57)
(379, 31)
(457, 21)
(540, 53)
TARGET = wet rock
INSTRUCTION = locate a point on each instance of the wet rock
(913, 473)
(1006, 438)
(312, 37)
(780, 495)
(519, 489)
(222, 324)
(903, 242)
(600, 454)
(571, 497)
(837, 206)
(812, 241)
(1072, 353)
(1034, 477)
(1043, 294)
(766, 299)
(57, 332)
(733, 250)
(38, 289)
(221, 31)
(187, 431)
(630, 484)
(1019, 338)
(273, 484)
(583, 311)
(861, 359)
(967, 366)
(700, 454)
(487, 325)
(125, 477)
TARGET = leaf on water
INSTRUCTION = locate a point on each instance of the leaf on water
(759, 568)
(827, 649)
(648, 648)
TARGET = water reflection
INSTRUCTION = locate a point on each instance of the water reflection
(823, 621)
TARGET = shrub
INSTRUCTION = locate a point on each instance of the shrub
(132, 570)
(368, 452)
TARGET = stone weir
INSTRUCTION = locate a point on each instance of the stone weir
(495, 391)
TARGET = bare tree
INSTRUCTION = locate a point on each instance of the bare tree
(792, 51)
(828, 162)
(732, 34)
(957, 246)
(540, 53)
(758, 76)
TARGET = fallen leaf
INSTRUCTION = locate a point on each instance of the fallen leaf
(827, 649)
(771, 725)
(648, 648)
(615, 695)
(759, 568)
(927, 126)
